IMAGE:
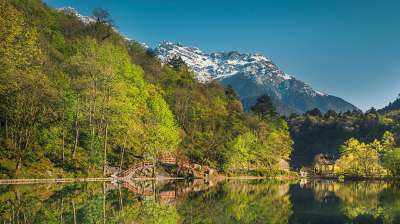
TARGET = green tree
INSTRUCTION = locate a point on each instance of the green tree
(358, 159)
(264, 107)
(241, 152)
(388, 141)
(314, 112)
(391, 161)
(26, 93)
(121, 109)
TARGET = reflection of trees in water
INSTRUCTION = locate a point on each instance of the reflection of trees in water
(226, 202)
(239, 202)
(79, 203)
(22, 204)
(370, 202)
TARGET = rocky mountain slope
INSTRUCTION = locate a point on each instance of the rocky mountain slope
(252, 75)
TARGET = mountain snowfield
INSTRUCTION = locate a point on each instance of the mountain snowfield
(252, 75)
(220, 65)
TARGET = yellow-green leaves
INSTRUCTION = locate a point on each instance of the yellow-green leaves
(120, 105)
(359, 159)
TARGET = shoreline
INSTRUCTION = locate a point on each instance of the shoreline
(104, 179)
(109, 179)
(53, 180)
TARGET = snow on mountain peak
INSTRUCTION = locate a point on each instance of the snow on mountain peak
(221, 65)
(218, 65)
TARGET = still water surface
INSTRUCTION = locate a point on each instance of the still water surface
(234, 201)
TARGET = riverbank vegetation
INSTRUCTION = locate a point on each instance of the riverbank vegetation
(78, 97)
(352, 144)
(315, 133)
(369, 160)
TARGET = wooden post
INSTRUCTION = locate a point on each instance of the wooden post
(104, 202)
(74, 211)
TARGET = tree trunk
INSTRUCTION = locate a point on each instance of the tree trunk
(106, 120)
(104, 202)
(123, 152)
(120, 197)
(154, 168)
(6, 126)
(62, 210)
(92, 111)
(76, 130)
(63, 147)
(63, 138)
(74, 211)
(19, 164)
(105, 150)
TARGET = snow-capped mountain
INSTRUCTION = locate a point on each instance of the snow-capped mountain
(252, 75)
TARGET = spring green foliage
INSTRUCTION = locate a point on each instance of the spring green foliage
(77, 97)
(26, 92)
(314, 134)
(243, 151)
(264, 149)
(79, 110)
(391, 161)
(359, 160)
(376, 159)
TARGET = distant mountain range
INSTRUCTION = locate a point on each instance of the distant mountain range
(252, 75)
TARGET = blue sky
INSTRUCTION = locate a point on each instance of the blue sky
(347, 48)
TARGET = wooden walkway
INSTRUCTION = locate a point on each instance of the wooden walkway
(138, 170)
(58, 180)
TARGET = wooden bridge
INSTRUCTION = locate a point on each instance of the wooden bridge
(137, 168)
(140, 169)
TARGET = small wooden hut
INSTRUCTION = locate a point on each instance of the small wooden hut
(324, 164)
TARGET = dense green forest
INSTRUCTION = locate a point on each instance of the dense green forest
(78, 96)
(336, 135)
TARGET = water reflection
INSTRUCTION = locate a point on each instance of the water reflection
(350, 202)
(231, 201)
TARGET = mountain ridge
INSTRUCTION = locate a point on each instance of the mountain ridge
(251, 75)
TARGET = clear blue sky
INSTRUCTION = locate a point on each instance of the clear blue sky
(347, 48)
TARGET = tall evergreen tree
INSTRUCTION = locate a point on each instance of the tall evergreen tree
(264, 107)
(314, 112)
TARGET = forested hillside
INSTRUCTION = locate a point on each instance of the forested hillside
(393, 106)
(315, 133)
(77, 96)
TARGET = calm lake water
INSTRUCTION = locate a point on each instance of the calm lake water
(245, 201)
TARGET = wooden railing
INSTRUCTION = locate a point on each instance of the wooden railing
(136, 167)
(166, 159)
